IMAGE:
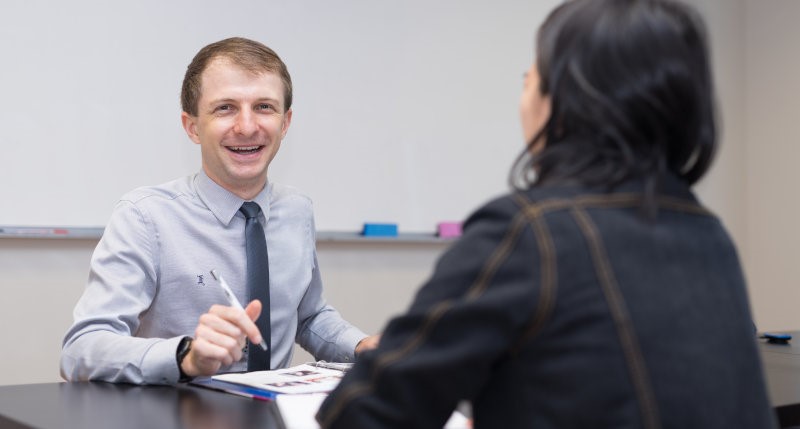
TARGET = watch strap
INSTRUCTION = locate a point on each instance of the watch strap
(183, 349)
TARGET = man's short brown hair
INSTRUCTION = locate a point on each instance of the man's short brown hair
(245, 53)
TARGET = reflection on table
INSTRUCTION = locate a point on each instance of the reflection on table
(122, 406)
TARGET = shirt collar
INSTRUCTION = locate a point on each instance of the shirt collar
(225, 204)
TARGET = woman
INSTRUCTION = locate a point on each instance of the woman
(600, 294)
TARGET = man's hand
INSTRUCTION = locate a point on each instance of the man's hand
(220, 335)
(368, 343)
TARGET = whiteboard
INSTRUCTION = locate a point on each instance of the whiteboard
(404, 111)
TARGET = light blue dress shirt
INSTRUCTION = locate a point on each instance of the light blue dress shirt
(150, 282)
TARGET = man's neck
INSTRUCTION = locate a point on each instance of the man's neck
(245, 190)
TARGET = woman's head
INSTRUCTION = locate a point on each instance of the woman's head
(628, 88)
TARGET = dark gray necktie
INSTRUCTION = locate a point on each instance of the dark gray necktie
(257, 284)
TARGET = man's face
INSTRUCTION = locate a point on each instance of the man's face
(239, 125)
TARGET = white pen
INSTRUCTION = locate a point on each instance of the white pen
(232, 299)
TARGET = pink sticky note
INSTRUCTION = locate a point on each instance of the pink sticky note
(449, 229)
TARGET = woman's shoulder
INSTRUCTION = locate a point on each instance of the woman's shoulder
(512, 203)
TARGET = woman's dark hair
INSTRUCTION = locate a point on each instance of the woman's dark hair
(631, 92)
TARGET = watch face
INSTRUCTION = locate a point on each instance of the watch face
(183, 348)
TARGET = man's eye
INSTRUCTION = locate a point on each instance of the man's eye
(264, 106)
(224, 107)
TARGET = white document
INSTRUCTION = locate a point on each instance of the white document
(303, 378)
(298, 411)
(303, 388)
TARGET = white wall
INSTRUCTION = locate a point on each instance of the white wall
(752, 187)
(772, 112)
(722, 189)
(753, 184)
(40, 282)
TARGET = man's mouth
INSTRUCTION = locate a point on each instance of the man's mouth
(244, 150)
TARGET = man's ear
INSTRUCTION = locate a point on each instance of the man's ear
(190, 125)
(287, 119)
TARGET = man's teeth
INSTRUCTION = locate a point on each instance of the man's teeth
(244, 149)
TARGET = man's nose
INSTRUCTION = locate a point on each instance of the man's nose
(245, 123)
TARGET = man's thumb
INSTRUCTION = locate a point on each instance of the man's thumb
(253, 309)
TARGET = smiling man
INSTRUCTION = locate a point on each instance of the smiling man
(151, 313)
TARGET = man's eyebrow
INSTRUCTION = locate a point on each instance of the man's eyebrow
(270, 99)
(233, 100)
(221, 100)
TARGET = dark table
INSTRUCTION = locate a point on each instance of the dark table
(121, 406)
(782, 369)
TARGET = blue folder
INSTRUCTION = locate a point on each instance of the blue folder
(236, 389)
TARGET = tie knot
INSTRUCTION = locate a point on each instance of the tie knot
(250, 209)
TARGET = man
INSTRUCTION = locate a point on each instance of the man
(151, 312)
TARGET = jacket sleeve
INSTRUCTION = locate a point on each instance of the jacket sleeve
(468, 315)
(122, 283)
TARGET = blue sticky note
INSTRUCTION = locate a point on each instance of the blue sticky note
(380, 230)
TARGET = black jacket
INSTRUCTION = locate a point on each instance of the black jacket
(565, 307)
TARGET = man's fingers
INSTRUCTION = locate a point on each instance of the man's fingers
(215, 337)
(220, 324)
(243, 320)
(209, 357)
(221, 327)
(368, 343)
(220, 336)
(253, 311)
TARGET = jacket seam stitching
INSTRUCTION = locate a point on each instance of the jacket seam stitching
(549, 273)
(619, 312)
(615, 200)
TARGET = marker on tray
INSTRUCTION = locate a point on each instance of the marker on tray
(379, 230)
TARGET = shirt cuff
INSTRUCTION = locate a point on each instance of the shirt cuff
(347, 344)
(159, 365)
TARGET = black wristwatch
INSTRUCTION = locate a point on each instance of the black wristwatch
(183, 349)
